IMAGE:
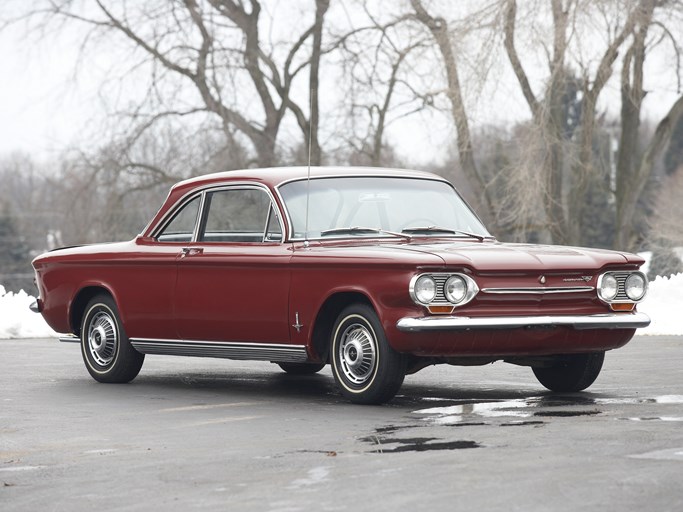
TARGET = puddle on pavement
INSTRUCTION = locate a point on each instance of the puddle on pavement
(523, 423)
(657, 418)
(463, 411)
(419, 444)
(565, 414)
(454, 414)
(663, 399)
(530, 412)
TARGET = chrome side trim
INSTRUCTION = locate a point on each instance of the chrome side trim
(69, 338)
(579, 322)
(241, 351)
(539, 290)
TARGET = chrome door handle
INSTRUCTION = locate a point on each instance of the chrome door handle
(191, 251)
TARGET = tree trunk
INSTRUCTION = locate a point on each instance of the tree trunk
(548, 116)
(321, 7)
(632, 189)
(439, 30)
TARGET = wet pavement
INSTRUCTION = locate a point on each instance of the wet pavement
(193, 434)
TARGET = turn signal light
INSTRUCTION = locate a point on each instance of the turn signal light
(622, 306)
(442, 310)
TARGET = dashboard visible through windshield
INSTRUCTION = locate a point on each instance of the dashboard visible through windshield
(377, 206)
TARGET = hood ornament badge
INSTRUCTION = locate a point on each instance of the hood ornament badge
(541, 279)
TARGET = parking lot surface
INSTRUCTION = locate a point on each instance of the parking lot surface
(205, 434)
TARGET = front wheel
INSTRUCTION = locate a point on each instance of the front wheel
(366, 369)
(107, 353)
(571, 373)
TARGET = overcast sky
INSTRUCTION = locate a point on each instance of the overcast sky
(44, 107)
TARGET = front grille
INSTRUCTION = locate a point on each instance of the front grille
(621, 286)
(440, 280)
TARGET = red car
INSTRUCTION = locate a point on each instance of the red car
(378, 272)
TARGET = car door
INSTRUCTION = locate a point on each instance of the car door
(233, 281)
(151, 275)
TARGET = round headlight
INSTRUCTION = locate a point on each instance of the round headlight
(609, 287)
(425, 289)
(635, 286)
(455, 289)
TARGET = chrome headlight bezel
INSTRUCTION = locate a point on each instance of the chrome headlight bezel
(621, 277)
(441, 297)
(457, 281)
(416, 289)
(643, 280)
(610, 282)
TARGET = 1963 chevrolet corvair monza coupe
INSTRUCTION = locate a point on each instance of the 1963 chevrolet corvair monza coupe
(377, 272)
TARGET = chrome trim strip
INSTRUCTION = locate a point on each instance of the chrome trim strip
(539, 290)
(579, 322)
(226, 350)
(70, 338)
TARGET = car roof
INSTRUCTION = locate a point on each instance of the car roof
(275, 176)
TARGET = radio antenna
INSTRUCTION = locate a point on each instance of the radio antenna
(308, 175)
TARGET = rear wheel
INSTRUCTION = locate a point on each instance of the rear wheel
(367, 370)
(571, 373)
(301, 368)
(107, 353)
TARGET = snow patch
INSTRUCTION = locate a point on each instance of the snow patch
(663, 304)
(17, 320)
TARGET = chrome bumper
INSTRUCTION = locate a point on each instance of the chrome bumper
(465, 323)
(36, 306)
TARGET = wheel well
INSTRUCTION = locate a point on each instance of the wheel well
(324, 321)
(80, 302)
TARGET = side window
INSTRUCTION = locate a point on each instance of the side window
(181, 226)
(274, 230)
(236, 215)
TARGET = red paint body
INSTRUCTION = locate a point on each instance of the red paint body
(252, 292)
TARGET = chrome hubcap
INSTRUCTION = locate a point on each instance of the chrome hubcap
(357, 353)
(102, 338)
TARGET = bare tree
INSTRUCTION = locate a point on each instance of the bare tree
(377, 59)
(216, 48)
(547, 113)
(438, 27)
(569, 166)
(635, 166)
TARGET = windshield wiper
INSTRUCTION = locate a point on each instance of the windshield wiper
(359, 230)
(449, 231)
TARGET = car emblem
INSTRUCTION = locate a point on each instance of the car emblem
(296, 324)
(541, 279)
(585, 279)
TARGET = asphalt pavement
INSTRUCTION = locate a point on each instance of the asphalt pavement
(208, 434)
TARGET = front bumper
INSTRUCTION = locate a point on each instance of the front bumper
(580, 322)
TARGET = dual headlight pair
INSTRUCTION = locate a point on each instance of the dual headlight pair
(622, 287)
(455, 289)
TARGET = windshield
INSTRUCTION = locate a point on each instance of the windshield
(375, 206)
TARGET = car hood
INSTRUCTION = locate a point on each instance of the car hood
(492, 256)
(510, 257)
